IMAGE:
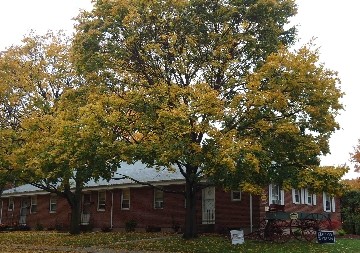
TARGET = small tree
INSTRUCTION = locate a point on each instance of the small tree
(350, 206)
(54, 140)
(355, 157)
(61, 152)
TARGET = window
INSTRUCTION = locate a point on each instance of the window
(11, 204)
(235, 195)
(33, 205)
(296, 196)
(125, 199)
(328, 202)
(276, 195)
(309, 199)
(158, 199)
(101, 201)
(53, 203)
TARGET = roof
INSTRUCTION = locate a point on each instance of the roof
(137, 171)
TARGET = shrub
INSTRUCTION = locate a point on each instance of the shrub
(39, 227)
(130, 225)
(334, 224)
(106, 229)
(151, 228)
(297, 232)
(22, 228)
(341, 232)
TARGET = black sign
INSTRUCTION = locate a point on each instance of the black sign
(325, 237)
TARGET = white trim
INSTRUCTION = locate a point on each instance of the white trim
(251, 212)
(1, 209)
(208, 205)
(293, 194)
(314, 199)
(158, 202)
(235, 199)
(112, 210)
(23, 194)
(33, 202)
(307, 197)
(280, 194)
(324, 202)
(133, 185)
(52, 201)
(331, 201)
(98, 202)
(302, 196)
(122, 199)
(12, 201)
(99, 188)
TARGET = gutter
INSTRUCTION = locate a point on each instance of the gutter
(251, 214)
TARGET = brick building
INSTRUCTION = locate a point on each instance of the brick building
(111, 204)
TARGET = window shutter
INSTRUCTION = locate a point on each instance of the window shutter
(282, 201)
(324, 201)
(333, 204)
(314, 199)
(302, 196)
(270, 194)
(293, 196)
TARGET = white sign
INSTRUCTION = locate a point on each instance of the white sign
(237, 236)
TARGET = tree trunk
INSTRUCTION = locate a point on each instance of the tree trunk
(75, 218)
(74, 200)
(190, 216)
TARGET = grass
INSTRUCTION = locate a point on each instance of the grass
(32, 241)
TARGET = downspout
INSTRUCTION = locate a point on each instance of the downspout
(1, 205)
(111, 209)
(251, 214)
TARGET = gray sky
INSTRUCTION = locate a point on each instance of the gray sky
(334, 23)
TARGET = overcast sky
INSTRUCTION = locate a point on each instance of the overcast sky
(334, 23)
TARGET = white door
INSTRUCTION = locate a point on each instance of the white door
(208, 205)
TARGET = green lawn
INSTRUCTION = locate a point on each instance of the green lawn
(54, 242)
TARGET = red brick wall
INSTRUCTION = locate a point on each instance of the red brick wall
(142, 208)
(228, 213)
(42, 217)
(291, 207)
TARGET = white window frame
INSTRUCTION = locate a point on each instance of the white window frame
(11, 204)
(309, 198)
(236, 198)
(33, 204)
(294, 193)
(279, 200)
(53, 203)
(125, 198)
(327, 198)
(101, 203)
(158, 199)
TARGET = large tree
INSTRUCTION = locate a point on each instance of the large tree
(209, 87)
